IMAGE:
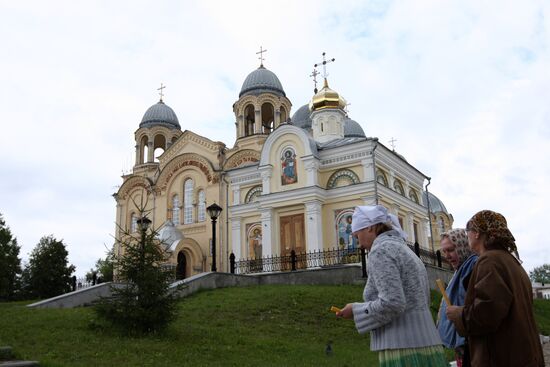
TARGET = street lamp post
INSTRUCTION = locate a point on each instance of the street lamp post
(214, 211)
(143, 224)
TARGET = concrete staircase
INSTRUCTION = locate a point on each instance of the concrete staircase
(6, 359)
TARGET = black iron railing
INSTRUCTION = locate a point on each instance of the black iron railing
(324, 258)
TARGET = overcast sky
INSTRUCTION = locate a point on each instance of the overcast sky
(463, 86)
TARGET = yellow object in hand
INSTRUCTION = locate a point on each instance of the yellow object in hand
(442, 290)
(335, 309)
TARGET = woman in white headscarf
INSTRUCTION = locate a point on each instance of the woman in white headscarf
(396, 297)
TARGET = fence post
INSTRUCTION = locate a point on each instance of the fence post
(232, 263)
(293, 259)
(363, 263)
(417, 249)
(438, 255)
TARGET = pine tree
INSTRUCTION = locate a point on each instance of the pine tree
(141, 301)
(10, 263)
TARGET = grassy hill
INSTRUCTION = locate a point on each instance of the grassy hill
(256, 326)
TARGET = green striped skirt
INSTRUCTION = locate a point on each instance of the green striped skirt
(432, 356)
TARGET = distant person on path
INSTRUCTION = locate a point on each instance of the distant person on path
(454, 246)
(396, 297)
(497, 316)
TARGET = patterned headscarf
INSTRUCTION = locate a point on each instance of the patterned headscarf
(458, 238)
(493, 225)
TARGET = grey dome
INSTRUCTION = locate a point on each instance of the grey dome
(436, 205)
(353, 129)
(160, 114)
(302, 118)
(262, 80)
(169, 234)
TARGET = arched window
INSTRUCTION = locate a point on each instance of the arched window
(159, 146)
(413, 196)
(381, 178)
(249, 120)
(176, 209)
(283, 115)
(188, 201)
(133, 223)
(202, 206)
(343, 177)
(397, 186)
(143, 150)
(252, 194)
(268, 114)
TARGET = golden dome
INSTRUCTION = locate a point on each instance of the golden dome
(327, 98)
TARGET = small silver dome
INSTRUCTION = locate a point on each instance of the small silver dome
(353, 129)
(260, 81)
(436, 205)
(169, 234)
(302, 118)
(160, 114)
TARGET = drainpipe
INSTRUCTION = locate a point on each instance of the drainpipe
(374, 171)
(430, 213)
(226, 216)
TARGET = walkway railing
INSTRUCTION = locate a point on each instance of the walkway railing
(324, 258)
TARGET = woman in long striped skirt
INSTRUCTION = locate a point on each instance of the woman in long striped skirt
(396, 297)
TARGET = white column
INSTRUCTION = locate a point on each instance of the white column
(394, 209)
(368, 172)
(410, 226)
(150, 152)
(236, 194)
(236, 241)
(407, 187)
(314, 226)
(311, 165)
(257, 122)
(266, 179)
(267, 232)
(391, 179)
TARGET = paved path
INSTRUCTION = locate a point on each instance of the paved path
(546, 351)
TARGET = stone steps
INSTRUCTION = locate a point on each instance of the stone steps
(6, 359)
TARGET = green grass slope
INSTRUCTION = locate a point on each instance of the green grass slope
(256, 326)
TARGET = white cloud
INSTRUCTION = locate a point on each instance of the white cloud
(461, 85)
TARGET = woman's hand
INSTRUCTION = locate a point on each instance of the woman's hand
(346, 312)
(454, 313)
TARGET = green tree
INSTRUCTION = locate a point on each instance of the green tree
(48, 271)
(104, 268)
(540, 274)
(140, 302)
(10, 263)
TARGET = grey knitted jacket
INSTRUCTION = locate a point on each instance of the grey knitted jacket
(397, 297)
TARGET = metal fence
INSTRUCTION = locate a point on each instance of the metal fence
(324, 258)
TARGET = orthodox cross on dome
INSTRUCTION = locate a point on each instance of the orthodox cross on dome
(314, 76)
(161, 92)
(392, 142)
(324, 63)
(346, 107)
(261, 58)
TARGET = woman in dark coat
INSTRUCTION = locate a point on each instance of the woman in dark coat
(497, 316)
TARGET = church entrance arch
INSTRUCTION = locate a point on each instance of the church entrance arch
(181, 267)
